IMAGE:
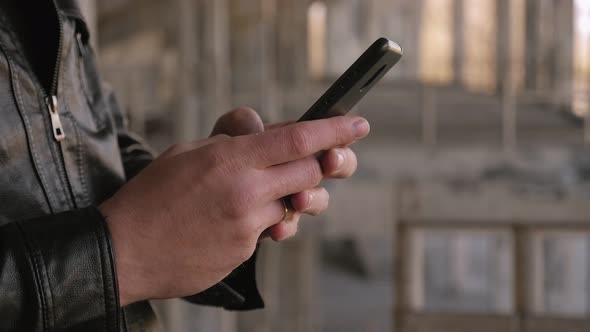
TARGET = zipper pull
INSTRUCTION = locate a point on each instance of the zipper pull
(58, 132)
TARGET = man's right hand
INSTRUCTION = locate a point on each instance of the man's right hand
(197, 212)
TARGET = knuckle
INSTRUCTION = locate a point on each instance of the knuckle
(326, 195)
(246, 252)
(245, 239)
(342, 131)
(241, 112)
(213, 156)
(293, 229)
(237, 152)
(317, 212)
(313, 173)
(299, 142)
(322, 202)
(236, 115)
(242, 233)
(240, 199)
(352, 164)
(175, 149)
(220, 156)
(241, 121)
(221, 137)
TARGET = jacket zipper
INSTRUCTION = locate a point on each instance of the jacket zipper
(51, 102)
(58, 131)
(51, 98)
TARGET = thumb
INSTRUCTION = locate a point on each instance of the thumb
(239, 122)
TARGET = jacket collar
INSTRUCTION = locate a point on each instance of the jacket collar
(72, 9)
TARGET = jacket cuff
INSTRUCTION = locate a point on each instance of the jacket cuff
(238, 291)
(72, 261)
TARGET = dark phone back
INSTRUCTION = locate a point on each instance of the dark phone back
(354, 84)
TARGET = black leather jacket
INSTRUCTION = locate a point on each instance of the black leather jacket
(64, 148)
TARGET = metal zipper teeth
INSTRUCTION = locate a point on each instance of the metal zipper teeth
(54, 82)
(52, 97)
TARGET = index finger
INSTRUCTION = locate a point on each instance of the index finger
(301, 140)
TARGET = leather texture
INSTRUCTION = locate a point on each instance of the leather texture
(57, 268)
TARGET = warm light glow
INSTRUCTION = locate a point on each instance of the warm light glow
(583, 12)
(479, 69)
(582, 58)
(436, 42)
(317, 39)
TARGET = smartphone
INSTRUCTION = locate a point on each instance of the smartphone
(354, 84)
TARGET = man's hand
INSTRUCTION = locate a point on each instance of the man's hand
(337, 163)
(198, 211)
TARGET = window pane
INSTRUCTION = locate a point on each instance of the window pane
(464, 272)
(566, 275)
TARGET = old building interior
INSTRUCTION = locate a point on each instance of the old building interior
(470, 208)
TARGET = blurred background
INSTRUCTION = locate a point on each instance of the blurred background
(471, 207)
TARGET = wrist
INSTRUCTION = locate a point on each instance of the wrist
(128, 285)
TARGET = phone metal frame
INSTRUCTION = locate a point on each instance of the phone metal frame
(356, 81)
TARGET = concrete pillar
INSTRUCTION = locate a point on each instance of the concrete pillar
(564, 44)
(214, 67)
(414, 22)
(286, 274)
(509, 116)
(532, 42)
(298, 306)
(344, 35)
(376, 10)
(503, 42)
(517, 42)
(429, 119)
(187, 115)
(317, 43)
(268, 276)
(458, 41)
(522, 278)
(547, 51)
(253, 36)
(541, 41)
(410, 18)
(178, 315)
(414, 281)
(256, 26)
(506, 84)
(537, 283)
(292, 42)
(502, 256)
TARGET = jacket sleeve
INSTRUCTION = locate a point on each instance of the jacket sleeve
(57, 273)
(238, 291)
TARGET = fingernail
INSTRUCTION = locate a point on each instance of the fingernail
(361, 128)
(340, 161)
(309, 202)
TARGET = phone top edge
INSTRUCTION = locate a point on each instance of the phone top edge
(389, 45)
(382, 52)
(395, 47)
